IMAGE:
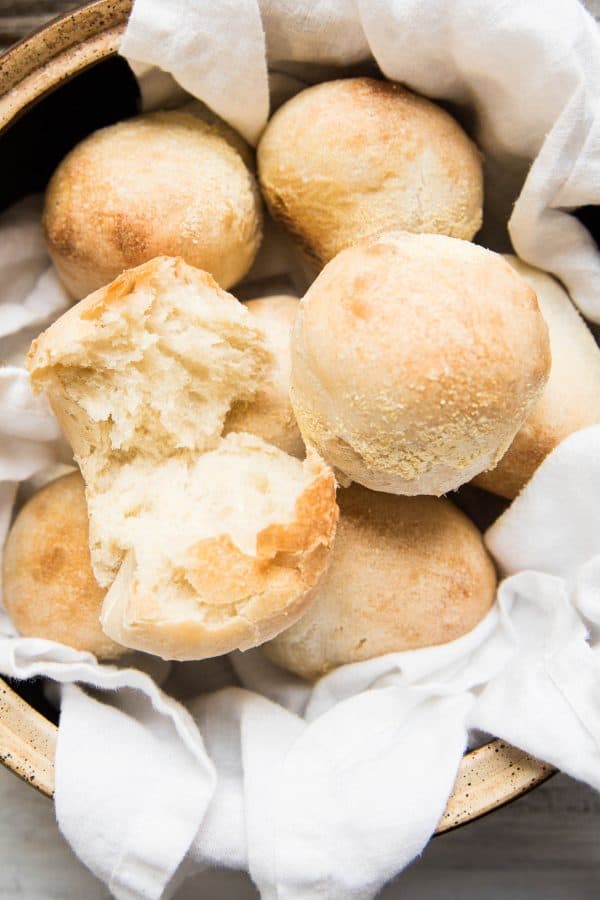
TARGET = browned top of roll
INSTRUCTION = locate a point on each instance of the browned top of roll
(346, 159)
(164, 183)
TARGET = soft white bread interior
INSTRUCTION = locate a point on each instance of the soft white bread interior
(224, 555)
(415, 360)
(146, 368)
(571, 398)
(406, 572)
(346, 159)
(269, 414)
(160, 183)
(208, 543)
(48, 587)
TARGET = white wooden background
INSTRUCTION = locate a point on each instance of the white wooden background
(545, 846)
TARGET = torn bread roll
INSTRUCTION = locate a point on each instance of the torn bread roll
(160, 183)
(208, 543)
(406, 572)
(48, 587)
(225, 555)
(346, 159)
(571, 398)
(269, 414)
(415, 360)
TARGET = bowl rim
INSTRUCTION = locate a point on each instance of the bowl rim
(488, 777)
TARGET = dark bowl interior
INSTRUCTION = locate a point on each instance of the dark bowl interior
(32, 147)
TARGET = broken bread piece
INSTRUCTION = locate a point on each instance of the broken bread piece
(208, 543)
(224, 553)
(144, 370)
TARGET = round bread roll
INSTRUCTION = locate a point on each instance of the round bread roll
(161, 183)
(49, 589)
(415, 360)
(571, 398)
(269, 414)
(207, 543)
(344, 160)
(406, 572)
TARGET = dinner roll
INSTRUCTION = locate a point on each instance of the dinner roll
(406, 572)
(161, 183)
(571, 398)
(48, 587)
(415, 360)
(346, 159)
(207, 543)
(269, 414)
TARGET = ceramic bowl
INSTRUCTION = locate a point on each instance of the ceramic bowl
(55, 87)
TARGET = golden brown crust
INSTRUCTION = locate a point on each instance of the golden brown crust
(314, 522)
(49, 589)
(529, 449)
(78, 323)
(203, 112)
(162, 183)
(571, 398)
(64, 342)
(405, 573)
(346, 159)
(415, 359)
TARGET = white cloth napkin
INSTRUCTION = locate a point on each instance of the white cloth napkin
(328, 791)
(523, 74)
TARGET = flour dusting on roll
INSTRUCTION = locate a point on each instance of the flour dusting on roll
(415, 360)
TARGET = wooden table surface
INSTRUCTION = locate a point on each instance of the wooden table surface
(545, 846)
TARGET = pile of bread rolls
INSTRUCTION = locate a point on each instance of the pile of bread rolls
(212, 435)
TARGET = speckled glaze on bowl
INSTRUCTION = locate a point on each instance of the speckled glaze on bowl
(488, 777)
